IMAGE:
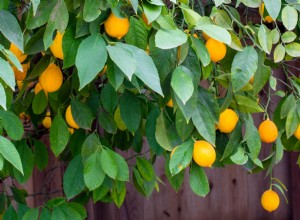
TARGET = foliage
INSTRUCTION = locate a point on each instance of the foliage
(119, 92)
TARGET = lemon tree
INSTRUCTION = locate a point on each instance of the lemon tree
(104, 76)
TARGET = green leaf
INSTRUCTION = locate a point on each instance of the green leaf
(2, 97)
(123, 58)
(209, 101)
(182, 84)
(92, 50)
(73, 182)
(243, 67)
(130, 108)
(183, 128)
(182, 156)
(12, 124)
(161, 134)
(252, 137)
(35, 44)
(289, 17)
(292, 121)
(10, 214)
(235, 42)
(247, 105)
(264, 38)
(152, 11)
(71, 213)
(93, 174)
(239, 157)
(279, 53)
(7, 74)
(41, 16)
(70, 46)
(279, 149)
(288, 104)
(137, 34)
(58, 20)
(162, 38)
(288, 37)
(261, 75)
(10, 153)
(204, 123)
(108, 163)
(100, 192)
(107, 122)
(275, 36)
(200, 50)
(198, 181)
(89, 146)
(19, 195)
(109, 98)
(58, 213)
(190, 16)
(251, 3)
(176, 181)
(10, 28)
(39, 67)
(59, 135)
(91, 10)
(118, 193)
(31, 214)
(145, 69)
(293, 49)
(234, 141)
(39, 103)
(273, 7)
(214, 31)
(82, 114)
(40, 155)
(151, 129)
(114, 74)
(80, 209)
(22, 209)
(145, 168)
(45, 214)
(27, 160)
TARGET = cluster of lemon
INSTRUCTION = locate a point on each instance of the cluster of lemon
(204, 153)
(51, 78)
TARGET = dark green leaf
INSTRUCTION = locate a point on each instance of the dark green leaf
(176, 181)
(234, 141)
(137, 34)
(73, 182)
(130, 108)
(161, 135)
(31, 214)
(59, 135)
(145, 168)
(39, 103)
(198, 181)
(70, 46)
(40, 155)
(109, 98)
(107, 122)
(182, 156)
(82, 114)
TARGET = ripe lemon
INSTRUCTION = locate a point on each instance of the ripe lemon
(228, 120)
(205, 36)
(270, 200)
(56, 46)
(118, 119)
(297, 132)
(20, 75)
(204, 153)
(47, 121)
(70, 119)
(268, 131)
(216, 49)
(170, 103)
(116, 27)
(51, 79)
(18, 53)
(269, 19)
